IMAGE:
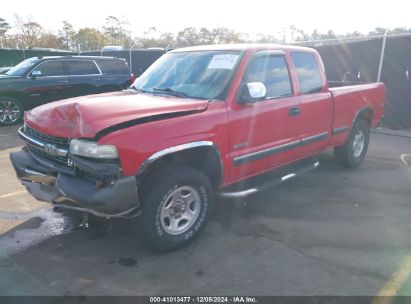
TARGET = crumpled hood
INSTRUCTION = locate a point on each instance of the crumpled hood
(84, 117)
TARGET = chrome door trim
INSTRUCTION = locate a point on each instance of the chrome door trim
(339, 130)
(243, 159)
(314, 138)
(266, 152)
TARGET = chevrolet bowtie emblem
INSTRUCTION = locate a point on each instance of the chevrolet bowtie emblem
(50, 149)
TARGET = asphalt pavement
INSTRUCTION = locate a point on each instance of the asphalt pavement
(332, 231)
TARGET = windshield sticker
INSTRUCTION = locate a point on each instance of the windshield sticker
(225, 62)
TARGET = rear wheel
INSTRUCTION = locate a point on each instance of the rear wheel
(11, 111)
(176, 205)
(352, 153)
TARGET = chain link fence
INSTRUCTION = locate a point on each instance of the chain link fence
(12, 57)
(352, 60)
(361, 60)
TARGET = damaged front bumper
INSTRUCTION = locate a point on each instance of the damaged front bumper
(64, 188)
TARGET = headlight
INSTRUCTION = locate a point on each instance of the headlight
(92, 149)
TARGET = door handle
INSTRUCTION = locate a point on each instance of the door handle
(63, 81)
(294, 111)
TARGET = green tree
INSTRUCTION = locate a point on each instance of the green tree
(355, 34)
(91, 39)
(190, 36)
(154, 38)
(68, 35)
(298, 34)
(28, 32)
(49, 40)
(263, 38)
(167, 40)
(187, 37)
(115, 30)
(205, 36)
(329, 35)
(225, 35)
(377, 31)
(399, 30)
(4, 27)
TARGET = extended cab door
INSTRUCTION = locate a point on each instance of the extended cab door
(264, 133)
(47, 82)
(316, 104)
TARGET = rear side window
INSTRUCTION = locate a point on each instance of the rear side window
(50, 68)
(113, 67)
(82, 67)
(273, 72)
(308, 72)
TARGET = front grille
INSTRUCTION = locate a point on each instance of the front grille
(59, 142)
(48, 139)
(40, 152)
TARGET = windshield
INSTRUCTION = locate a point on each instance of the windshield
(202, 75)
(22, 68)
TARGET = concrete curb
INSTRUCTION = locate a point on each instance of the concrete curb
(399, 133)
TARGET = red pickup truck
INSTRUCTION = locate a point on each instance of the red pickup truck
(228, 120)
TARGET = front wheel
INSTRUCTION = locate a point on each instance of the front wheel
(352, 153)
(176, 205)
(11, 111)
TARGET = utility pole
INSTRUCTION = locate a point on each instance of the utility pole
(384, 41)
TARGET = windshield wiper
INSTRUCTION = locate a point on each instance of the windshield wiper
(137, 89)
(171, 92)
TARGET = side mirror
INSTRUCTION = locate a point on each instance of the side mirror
(257, 90)
(252, 91)
(36, 73)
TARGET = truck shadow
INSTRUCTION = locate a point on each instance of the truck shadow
(101, 254)
(66, 225)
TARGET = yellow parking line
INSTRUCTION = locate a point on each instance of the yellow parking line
(389, 291)
(6, 152)
(9, 134)
(404, 157)
(12, 194)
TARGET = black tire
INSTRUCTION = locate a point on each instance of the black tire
(10, 104)
(156, 201)
(346, 154)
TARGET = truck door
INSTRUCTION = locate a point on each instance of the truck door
(264, 133)
(316, 104)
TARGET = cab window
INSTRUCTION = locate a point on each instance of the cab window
(308, 72)
(272, 71)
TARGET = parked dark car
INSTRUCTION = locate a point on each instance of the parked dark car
(41, 80)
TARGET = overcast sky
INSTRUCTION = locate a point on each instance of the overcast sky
(253, 16)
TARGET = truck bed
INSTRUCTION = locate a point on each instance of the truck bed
(349, 98)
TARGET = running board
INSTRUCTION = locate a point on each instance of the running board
(268, 180)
